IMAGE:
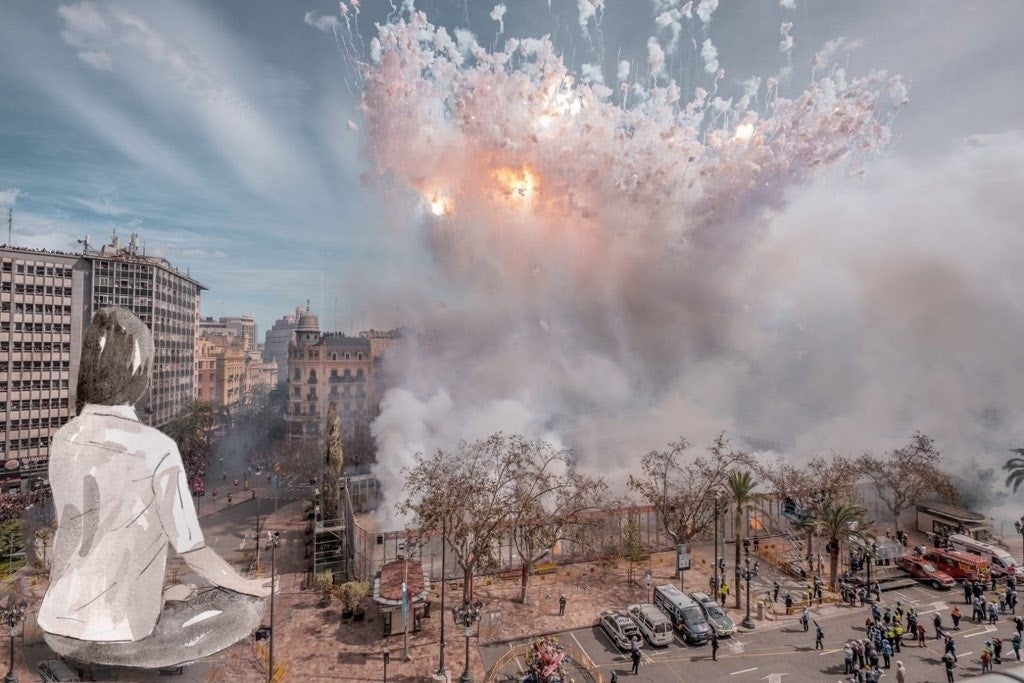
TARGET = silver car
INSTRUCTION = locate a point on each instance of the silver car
(620, 628)
(715, 615)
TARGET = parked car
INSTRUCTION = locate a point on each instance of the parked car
(925, 572)
(653, 623)
(620, 628)
(56, 671)
(713, 612)
(684, 612)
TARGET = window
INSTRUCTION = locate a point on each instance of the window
(297, 374)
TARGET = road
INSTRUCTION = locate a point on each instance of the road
(781, 652)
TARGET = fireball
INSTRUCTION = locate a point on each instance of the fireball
(518, 185)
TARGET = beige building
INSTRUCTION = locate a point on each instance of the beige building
(226, 369)
(333, 367)
(47, 300)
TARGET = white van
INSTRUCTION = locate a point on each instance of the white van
(684, 613)
(1000, 561)
(652, 622)
(56, 671)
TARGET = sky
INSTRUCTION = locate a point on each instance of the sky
(797, 222)
(219, 130)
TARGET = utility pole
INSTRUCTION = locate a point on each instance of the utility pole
(10, 226)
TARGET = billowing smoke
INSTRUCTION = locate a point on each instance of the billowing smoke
(612, 269)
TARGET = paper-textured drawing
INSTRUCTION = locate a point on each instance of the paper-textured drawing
(121, 498)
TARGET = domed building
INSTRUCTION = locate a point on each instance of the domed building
(333, 367)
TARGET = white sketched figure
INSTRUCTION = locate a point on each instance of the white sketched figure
(121, 497)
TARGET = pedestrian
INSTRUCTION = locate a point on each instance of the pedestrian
(615, 677)
(937, 622)
(920, 635)
(901, 673)
(997, 650)
(992, 581)
(215, 494)
(847, 659)
(819, 637)
(986, 658)
(950, 663)
(561, 605)
(1019, 623)
(723, 591)
(805, 619)
(993, 613)
(714, 646)
(229, 499)
(951, 647)
(789, 604)
(1016, 645)
(956, 615)
(775, 591)
(887, 653)
(968, 594)
(877, 590)
(254, 494)
(713, 582)
(635, 654)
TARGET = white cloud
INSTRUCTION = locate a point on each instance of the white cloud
(9, 196)
(321, 22)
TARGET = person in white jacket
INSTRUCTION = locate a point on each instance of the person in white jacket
(121, 497)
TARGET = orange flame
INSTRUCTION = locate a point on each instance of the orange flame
(518, 185)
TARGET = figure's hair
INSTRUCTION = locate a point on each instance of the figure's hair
(117, 358)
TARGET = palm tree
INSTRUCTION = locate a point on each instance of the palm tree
(190, 432)
(1015, 466)
(837, 521)
(740, 486)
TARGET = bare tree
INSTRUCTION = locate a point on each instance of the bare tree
(682, 489)
(467, 495)
(551, 501)
(905, 476)
(807, 487)
(334, 459)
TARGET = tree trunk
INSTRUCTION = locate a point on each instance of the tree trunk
(526, 581)
(833, 563)
(810, 542)
(738, 529)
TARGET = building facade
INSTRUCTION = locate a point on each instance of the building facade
(277, 340)
(46, 303)
(41, 327)
(333, 367)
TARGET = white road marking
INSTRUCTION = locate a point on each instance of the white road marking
(828, 652)
(745, 671)
(735, 646)
(245, 539)
(988, 629)
(774, 678)
(680, 640)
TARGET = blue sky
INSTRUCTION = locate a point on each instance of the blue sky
(219, 130)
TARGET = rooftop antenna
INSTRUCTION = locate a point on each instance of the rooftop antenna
(10, 226)
(113, 238)
(85, 245)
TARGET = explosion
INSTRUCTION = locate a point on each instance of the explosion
(589, 273)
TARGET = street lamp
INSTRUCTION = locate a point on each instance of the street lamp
(387, 658)
(1019, 526)
(718, 498)
(259, 471)
(12, 615)
(275, 540)
(444, 579)
(871, 553)
(466, 616)
(748, 574)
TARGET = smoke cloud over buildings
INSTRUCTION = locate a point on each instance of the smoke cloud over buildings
(611, 268)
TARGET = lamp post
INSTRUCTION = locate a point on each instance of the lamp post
(12, 615)
(1019, 526)
(718, 498)
(748, 574)
(275, 540)
(871, 552)
(259, 470)
(444, 580)
(387, 658)
(466, 616)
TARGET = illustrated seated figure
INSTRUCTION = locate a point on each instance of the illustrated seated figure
(121, 496)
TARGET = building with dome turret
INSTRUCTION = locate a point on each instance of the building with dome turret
(333, 367)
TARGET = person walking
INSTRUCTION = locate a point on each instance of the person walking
(997, 650)
(789, 604)
(887, 653)
(775, 591)
(921, 632)
(805, 619)
(901, 673)
(993, 613)
(714, 646)
(968, 593)
(937, 622)
(723, 591)
(819, 637)
(956, 615)
(986, 658)
(561, 605)
(1016, 645)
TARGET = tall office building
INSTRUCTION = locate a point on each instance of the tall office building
(41, 325)
(47, 301)
(164, 298)
(278, 337)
